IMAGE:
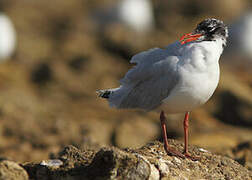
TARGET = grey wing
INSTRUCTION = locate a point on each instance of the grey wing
(152, 85)
(174, 49)
(145, 61)
(144, 64)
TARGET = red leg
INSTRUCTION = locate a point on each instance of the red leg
(186, 125)
(167, 148)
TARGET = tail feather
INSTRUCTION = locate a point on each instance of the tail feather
(114, 96)
(104, 93)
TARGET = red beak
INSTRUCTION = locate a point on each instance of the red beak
(189, 37)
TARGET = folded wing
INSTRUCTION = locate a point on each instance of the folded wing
(148, 82)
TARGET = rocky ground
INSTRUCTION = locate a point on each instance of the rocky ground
(147, 162)
(48, 99)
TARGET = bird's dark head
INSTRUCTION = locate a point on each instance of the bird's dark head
(208, 30)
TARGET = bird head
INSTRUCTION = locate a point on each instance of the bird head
(208, 30)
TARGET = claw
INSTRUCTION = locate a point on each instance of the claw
(193, 158)
(173, 152)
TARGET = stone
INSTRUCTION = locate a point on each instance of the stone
(148, 162)
(10, 170)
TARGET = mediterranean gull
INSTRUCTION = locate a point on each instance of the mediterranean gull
(240, 46)
(134, 14)
(7, 37)
(176, 79)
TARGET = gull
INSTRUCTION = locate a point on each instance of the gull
(240, 38)
(137, 15)
(7, 37)
(176, 79)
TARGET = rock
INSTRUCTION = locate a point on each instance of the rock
(77, 63)
(242, 153)
(41, 74)
(234, 100)
(148, 162)
(10, 170)
(71, 154)
(52, 163)
(234, 110)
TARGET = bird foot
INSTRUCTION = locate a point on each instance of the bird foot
(173, 152)
(189, 156)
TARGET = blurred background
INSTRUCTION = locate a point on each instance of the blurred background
(55, 54)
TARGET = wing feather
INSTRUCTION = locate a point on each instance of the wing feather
(149, 81)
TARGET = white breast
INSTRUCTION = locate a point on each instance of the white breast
(199, 76)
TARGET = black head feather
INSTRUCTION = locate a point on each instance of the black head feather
(212, 29)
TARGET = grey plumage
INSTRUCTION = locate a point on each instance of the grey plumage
(181, 77)
(174, 75)
(155, 71)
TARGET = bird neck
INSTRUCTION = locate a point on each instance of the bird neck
(214, 47)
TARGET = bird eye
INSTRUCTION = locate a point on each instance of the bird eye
(212, 29)
(204, 28)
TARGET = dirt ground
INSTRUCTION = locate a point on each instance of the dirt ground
(47, 89)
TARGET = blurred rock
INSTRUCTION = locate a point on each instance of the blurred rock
(41, 74)
(77, 63)
(60, 26)
(242, 153)
(148, 162)
(235, 101)
(10, 170)
(234, 110)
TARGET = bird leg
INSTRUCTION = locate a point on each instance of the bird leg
(186, 125)
(168, 149)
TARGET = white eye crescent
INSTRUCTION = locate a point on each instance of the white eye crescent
(212, 29)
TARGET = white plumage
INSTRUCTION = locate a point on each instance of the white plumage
(134, 14)
(179, 77)
(7, 37)
(137, 14)
(176, 79)
(241, 37)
